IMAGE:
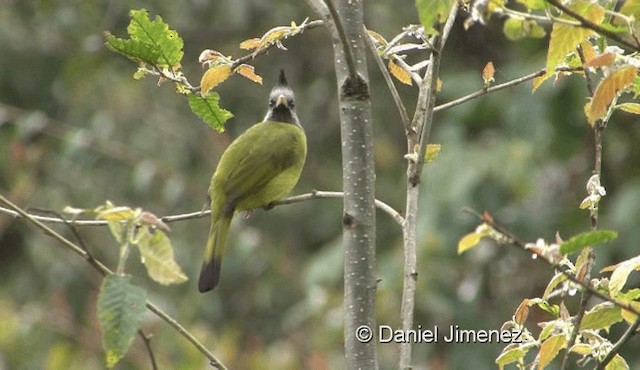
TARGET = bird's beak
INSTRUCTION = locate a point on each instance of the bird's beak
(282, 101)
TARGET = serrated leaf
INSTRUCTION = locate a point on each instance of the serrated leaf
(399, 73)
(432, 12)
(158, 34)
(488, 73)
(120, 309)
(522, 312)
(510, 355)
(608, 89)
(602, 316)
(432, 152)
(621, 274)
(157, 256)
(468, 241)
(617, 363)
(250, 44)
(582, 349)
(213, 77)
(247, 71)
(555, 281)
(565, 38)
(589, 238)
(602, 60)
(209, 110)
(629, 107)
(135, 50)
(550, 348)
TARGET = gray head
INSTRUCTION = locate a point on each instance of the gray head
(282, 103)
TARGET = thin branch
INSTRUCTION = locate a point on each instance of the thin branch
(423, 116)
(146, 339)
(315, 194)
(511, 239)
(104, 270)
(344, 41)
(628, 334)
(265, 49)
(387, 78)
(584, 22)
(498, 87)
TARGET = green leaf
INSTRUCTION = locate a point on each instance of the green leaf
(120, 309)
(629, 107)
(565, 38)
(150, 41)
(469, 241)
(602, 316)
(133, 49)
(209, 110)
(555, 281)
(621, 274)
(157, 255)
(517, 29)
(590, 238)
(511, 354)
(158, 34)
(533, 4)
(432, 12)
(617, 363)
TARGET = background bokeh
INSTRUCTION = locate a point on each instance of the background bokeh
(77, 129)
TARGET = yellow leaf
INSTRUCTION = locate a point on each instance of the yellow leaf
(522, 312)
(608, 89)
(213, 77)
(432, 152)
(630, 107)
(399, 73)
(587, 50)
(468, 241)
(487, 74)
(550, 348)
(377, 38)
(274, 35)
(617, 363)
(629, 316)
(116, 214)
(250, 44)
(565, 38)
(248, 71)
(602, 60)
(438, 84)
(539, 80)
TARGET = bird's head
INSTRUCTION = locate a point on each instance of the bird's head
(282, 103)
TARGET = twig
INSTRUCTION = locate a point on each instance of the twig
(423, 117)
(147, 343)
(315, 194)
(344, 41)
(628, 334)
(511, 239)
(263, 50)
(387, 78)
(592, 26)
(104, 270)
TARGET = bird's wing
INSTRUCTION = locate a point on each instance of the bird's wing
(256, 165)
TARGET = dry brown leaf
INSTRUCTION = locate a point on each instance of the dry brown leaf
(400, 73)
(213, 77)
(248, 71)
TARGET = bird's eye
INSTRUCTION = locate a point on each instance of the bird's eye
(272, 102)
(292, 104)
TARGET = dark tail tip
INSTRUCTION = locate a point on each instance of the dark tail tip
(209, 275)
(282, 80)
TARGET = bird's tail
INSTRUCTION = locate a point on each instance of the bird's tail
(212, 262)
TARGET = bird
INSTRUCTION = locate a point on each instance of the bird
(260, 166)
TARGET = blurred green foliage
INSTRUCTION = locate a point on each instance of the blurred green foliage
(77, 129)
